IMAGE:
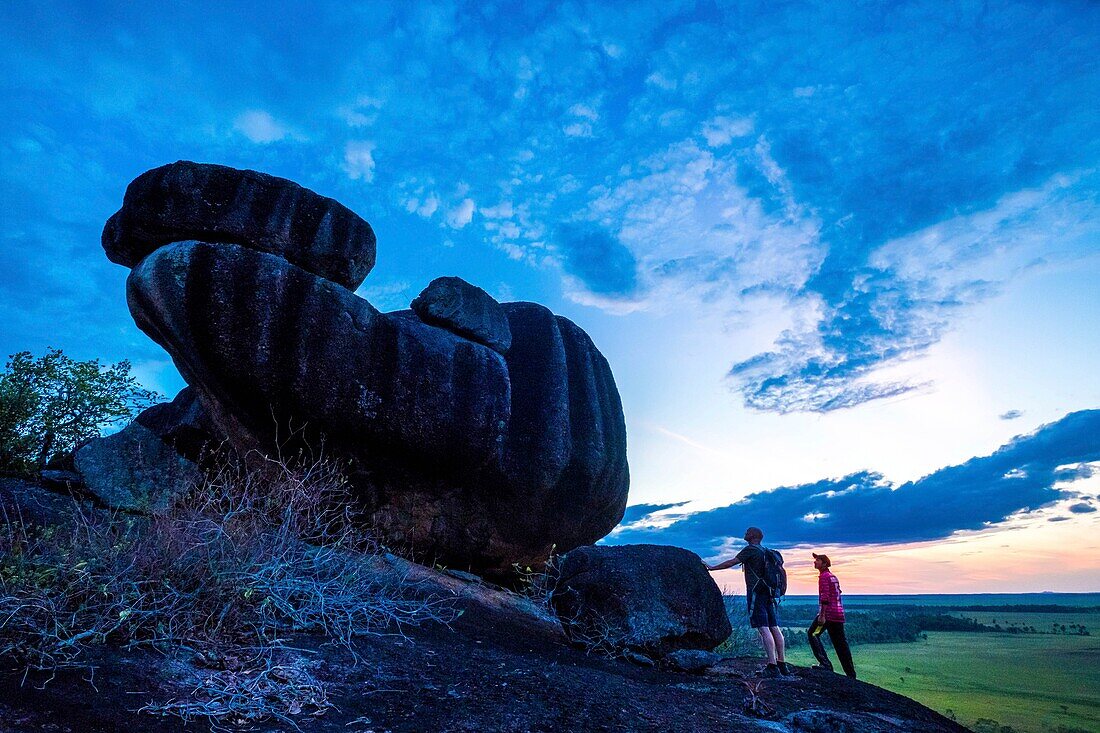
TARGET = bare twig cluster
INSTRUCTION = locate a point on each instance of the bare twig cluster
(241, 699)
(247, 558)
(754, 703)
(537, 585)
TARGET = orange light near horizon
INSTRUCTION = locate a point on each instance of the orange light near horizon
(1022, 556)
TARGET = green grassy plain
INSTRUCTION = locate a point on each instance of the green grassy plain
(1035, 683)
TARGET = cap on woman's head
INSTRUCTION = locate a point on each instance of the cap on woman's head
(823, 558)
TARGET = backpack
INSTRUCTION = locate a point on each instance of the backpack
(775, 576)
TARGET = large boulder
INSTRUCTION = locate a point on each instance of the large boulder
(456, 305)
(265, 344)
(214, 203)
(648, 599)
(477, 434)
(134, 470)
(461, 455)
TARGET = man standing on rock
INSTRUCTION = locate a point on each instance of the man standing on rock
(762, 606)
(830, 617)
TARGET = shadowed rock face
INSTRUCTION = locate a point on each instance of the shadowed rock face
(460, 454)
(650, 599)
(181, 423)
(134, 470)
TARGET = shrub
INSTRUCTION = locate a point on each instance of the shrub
(52, 403)
(245, 559)
(742, 641)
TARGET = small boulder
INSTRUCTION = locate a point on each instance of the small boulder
(134, 470)
(638, 658)
(60, 480)
(464, 309)
(651, 599)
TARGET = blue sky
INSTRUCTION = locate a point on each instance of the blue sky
(821, 244)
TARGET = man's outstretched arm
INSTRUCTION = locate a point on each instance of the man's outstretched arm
(732, 562)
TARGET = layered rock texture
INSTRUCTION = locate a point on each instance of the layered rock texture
(651, 600)
(215, 203)
(480, 434)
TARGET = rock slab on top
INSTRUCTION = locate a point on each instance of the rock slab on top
(214, 203)
(466, 310)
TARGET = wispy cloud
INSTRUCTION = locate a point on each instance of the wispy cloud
(825, 159)
(260, 127)
(638, 511)
(359, 160)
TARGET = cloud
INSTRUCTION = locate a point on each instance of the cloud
(578, 129)
(386, 296)
(585, 111)
(1011, 415)
(461, 214)
(719, 131)
(891, 306)
(1082, 508)
(359, 160)
(260, 127)
(864, 508)
(598, 260)
(698, 234)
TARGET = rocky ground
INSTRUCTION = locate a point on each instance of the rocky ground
(502, 665)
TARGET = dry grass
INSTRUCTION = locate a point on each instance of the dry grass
(247, 558)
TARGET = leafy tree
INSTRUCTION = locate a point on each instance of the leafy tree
(53, 403)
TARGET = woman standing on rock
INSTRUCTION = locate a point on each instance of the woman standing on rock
(830, 617)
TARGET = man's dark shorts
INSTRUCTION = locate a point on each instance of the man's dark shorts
(762, 611)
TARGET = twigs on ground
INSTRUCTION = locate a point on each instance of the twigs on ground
(248, 557)
(235, 700)
(755, 704)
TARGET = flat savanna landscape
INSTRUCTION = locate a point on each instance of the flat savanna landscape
(988, 680)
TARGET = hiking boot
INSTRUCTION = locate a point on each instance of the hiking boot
(822, 668)
(786, 669)
(770, 670)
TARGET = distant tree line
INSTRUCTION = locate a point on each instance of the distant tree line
(1019, 608)
(892, 624)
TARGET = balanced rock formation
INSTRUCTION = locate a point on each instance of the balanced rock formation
(643, 599)
(479, 434)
